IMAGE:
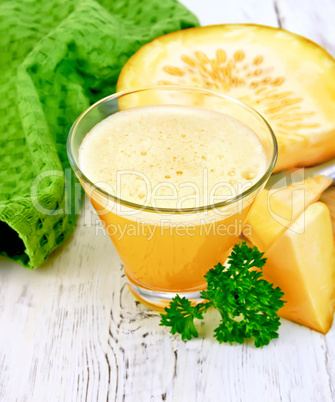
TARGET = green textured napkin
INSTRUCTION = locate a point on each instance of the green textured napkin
(57, 58)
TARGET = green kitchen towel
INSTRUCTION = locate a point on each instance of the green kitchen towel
(56, 58)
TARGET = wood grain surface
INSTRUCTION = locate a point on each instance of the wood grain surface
(71, 331)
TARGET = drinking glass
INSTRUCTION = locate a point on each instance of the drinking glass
(167, 251)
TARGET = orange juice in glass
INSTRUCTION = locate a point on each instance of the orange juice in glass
(172, 173)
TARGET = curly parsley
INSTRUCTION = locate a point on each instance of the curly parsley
(247, 303)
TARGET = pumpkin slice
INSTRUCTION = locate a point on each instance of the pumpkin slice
(275, 210)
(302, 263)
(328, 197)
(287, 78)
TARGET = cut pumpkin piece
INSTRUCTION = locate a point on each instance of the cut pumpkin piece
(287, 78)
(275, 210)
(328, 197)
(302, 264)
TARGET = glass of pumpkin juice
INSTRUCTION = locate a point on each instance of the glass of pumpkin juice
(172, 173)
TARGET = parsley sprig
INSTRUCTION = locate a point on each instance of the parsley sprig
(247, 303)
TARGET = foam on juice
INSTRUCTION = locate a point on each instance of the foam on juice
(172, 156)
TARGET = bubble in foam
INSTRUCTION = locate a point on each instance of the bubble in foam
(248, 174)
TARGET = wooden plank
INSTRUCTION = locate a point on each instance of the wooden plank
(237, 11)
(314, 20)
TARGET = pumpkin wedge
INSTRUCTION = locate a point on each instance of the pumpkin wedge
(302, 263)
(328, 197)
(275, 210)
(287, 78)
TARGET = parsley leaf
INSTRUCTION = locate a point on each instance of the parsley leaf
(180, 317)
(247, 303)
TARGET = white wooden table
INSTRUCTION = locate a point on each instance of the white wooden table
(71, 331)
